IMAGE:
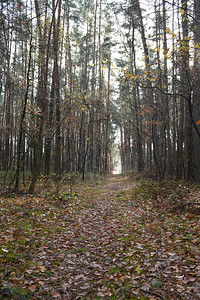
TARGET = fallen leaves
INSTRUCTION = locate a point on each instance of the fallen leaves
(111, 241)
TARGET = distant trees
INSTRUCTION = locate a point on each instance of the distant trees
(55, 90)
(161, 93)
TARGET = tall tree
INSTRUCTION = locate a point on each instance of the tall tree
(44, 51)
(196, 95)
(187, 92)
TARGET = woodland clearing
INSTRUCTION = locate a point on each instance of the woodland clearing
(118, 238)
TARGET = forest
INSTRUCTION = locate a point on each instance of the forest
(76, 74)
(88, 89)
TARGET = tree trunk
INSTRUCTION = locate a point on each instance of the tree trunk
(149, 94)
(21, 125)
(196, 95)
(91, 162)
(42, 90)
(186, 87)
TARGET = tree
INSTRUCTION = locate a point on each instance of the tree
(196, 94)
(44, 50)
(21, 124)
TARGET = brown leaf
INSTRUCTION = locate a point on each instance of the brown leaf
(191, 273)
(192, 279)
(192, 259)
(56, 295)
(32, 288)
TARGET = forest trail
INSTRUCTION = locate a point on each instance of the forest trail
(95, 237)
(117, 182)
(119, 248)
(108, 241)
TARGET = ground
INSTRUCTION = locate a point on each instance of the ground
(119, 238)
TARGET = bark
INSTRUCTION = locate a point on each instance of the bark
(181, 117)
(107, 126)
(98, 142)
(42, 90)
(69, 141)
(91, 161)
(167, 139)
(196, 95)
(174, 98)
(186, 87)
(122, 152)
(57, 94)
(136, 101)
(6, 122)
(149, 95)
(21, 125)
(82, 153)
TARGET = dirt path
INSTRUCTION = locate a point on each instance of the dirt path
(60, 249)
(93, 240)
(120, 248)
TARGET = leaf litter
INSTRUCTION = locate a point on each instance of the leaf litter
(115, 240)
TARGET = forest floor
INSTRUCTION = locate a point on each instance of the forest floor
(120, 238)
